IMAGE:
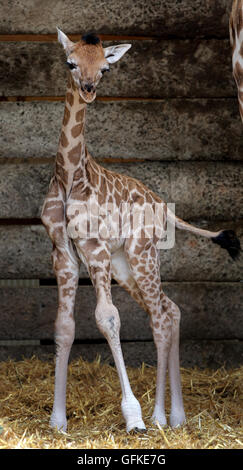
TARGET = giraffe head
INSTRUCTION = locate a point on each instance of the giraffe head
(88, 61)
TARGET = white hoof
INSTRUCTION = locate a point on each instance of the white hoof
(137, 426)
(132, 413)
(158, 416)
(177, 419)
(159, 419)
(58, 422)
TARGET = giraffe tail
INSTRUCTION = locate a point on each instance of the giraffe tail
(227, 239)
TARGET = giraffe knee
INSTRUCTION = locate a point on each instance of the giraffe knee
(166, 324)
(176, 313)
(162, 329)
(169, 307)
(107, 320)
(64, 330)
(64, 262)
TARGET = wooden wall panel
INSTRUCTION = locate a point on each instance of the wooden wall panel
(210, 354)
(151, 69)
(159, 18)
(25, 253)
(29, 313)
(200, 129)
(200, 190)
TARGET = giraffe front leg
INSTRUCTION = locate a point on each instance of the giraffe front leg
(108, 321)
(67, 278)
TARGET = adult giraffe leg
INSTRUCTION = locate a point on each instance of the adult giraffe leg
(108, 322)
(67, 274)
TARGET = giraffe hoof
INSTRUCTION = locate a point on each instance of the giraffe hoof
(177, 420)
(137, 430)
(138, 427)
(58, 423)
(140, 430)
(159, 420)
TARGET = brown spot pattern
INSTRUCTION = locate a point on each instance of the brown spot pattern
(70, 98)
(77, 174)
(66, 116)
(74, 154)
(55, 211)
(79, 115)
(63, 140)
(62, 173)
(76, 130)
(60, 159)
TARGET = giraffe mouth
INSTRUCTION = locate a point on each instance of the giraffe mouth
(87, 96)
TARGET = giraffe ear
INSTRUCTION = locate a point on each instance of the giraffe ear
(114, 53)
(66, 43)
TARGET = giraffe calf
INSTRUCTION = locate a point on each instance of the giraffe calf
(131, 257)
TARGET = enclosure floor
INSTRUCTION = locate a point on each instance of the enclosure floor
(213, 404)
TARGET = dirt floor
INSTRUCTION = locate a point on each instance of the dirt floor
(213, 404)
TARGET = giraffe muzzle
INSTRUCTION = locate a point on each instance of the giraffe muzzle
(87, 93)
(89, 88)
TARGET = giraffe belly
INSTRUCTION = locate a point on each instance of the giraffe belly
(119, 266)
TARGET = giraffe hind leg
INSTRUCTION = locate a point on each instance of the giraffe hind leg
(164, 320)
(124, 271)
(177, 414)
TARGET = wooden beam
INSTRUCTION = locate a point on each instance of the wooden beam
(73, 37)
(152, 69)
(29, 312)
(166, 130)
(25, 253)
(210, 354)
(117, 18)
(105, 99)
(200, 190)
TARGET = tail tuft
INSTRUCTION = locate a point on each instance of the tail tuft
(227, 239)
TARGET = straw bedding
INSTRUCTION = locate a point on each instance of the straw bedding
(213, 404)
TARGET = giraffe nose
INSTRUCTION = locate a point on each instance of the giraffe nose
(89, 88)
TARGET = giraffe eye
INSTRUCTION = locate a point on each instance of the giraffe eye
(71, 66)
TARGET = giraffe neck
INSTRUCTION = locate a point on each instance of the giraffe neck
(71, 155)
(236, 39)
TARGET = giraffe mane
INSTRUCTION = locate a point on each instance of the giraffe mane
(91, 38)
